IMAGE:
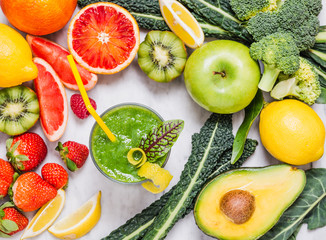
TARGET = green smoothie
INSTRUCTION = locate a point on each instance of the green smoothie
(129, 123)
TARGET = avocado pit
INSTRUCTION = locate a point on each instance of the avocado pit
(238, 205)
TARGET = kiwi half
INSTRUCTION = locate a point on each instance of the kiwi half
(162, 56)
(19, 109)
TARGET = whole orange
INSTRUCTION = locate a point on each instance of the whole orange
(38, 17)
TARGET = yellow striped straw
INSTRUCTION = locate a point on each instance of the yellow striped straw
(86, 99)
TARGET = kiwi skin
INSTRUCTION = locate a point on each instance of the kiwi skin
(162, 56)
(19, 109)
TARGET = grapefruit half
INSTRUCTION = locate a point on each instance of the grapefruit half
(56, 56)
(53, 100)
(103, 38)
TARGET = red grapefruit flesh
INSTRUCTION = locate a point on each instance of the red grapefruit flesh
(56, 56)
(53, 100)
(103, 38)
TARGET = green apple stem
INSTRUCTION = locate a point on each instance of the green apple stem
(223, 74)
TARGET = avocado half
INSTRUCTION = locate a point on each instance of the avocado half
(244, 204)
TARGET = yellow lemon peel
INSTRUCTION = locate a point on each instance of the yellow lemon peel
(131, 159)
(182, 23)
(159, 176)
(16, 65)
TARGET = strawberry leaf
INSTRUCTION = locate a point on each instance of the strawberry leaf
(10, 226)
(6, 205)
(22, 157)
(13, 148)
(71, 165)
(161, 138)
(2, 234)
(9, 143)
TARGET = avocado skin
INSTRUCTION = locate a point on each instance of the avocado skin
(279, 174)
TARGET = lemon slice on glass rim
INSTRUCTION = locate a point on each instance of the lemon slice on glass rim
(182, 23)
(79, 222)
(44, 218)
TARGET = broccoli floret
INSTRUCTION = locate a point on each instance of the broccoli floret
(293, 16)
(314, 6)
(246, 9)
(279, 53)
(303, 84)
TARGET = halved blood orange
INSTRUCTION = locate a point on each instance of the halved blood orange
(103, 38)
(53, 100)
(56, 56)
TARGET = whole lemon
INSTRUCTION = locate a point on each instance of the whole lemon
(16, 65)
(292, 132)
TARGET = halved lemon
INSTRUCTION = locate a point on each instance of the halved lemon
(182, 23)
(44, 218)
(80, 222)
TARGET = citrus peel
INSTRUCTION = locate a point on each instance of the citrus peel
(160, 177)
(79, 222)
(86, 100)
(44, 217)
(133, 161)
(182, 23)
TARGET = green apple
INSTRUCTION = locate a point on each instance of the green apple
(222, 77)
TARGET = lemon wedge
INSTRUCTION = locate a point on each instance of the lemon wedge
(182, 23)
(44, 218)
(80, 222)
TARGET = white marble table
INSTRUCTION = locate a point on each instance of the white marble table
(120, 202)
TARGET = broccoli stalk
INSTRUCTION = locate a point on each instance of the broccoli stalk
(303, 84)
(279, 53)
(269, 77)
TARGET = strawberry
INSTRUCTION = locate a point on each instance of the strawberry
(26, 151)
(11, 220)
(6, 177)
(78, 106)
(73, 154)
(30, 192)
(55, 175)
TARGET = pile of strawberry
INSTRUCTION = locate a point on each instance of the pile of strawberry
(29, 191)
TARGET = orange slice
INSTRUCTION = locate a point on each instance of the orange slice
(53, 100)
(182, 23)
(56, 56)
(103, 38)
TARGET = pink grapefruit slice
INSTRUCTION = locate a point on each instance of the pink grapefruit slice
(103, 38)
(56, 56)
(52, 99)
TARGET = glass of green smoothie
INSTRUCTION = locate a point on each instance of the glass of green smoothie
(129, 122)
